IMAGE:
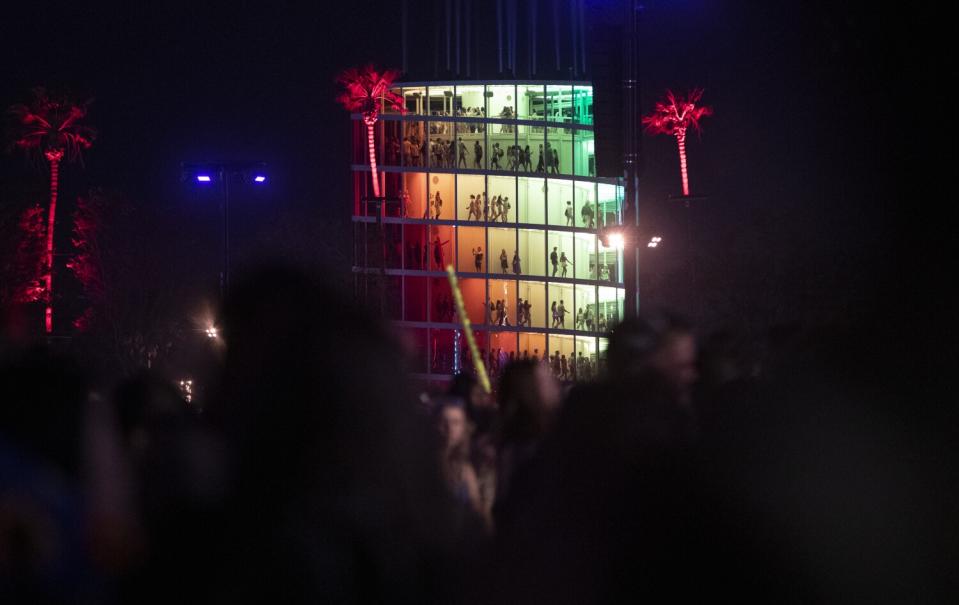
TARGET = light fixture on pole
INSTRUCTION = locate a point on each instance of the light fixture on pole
(224, 174)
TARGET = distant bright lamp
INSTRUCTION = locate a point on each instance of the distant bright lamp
(203, 178)
(259, 178)
(617, 240)
(211, 332)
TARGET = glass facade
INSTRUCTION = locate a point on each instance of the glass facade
(496, 179)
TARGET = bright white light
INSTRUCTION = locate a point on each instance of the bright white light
(211, 332)
(617, 240)
(186, 388)
(657, 239)
(259, 178)
(203, 178)
(651, 245)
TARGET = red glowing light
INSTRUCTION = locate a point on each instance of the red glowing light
(31, 256)
(84, 265)
(366, 91)
(53, 127)
(673, 118)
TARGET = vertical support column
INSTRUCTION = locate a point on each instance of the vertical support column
(631, 157)
(499, 34)
(404, 33)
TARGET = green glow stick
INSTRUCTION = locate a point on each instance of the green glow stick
(468, 330)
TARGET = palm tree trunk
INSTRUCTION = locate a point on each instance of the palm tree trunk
(54, 184)
(372, 150)
(681, 141)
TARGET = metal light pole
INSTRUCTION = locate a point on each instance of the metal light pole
(254, 172)
(632, 154)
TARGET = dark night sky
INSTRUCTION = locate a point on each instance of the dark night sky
(793, 158)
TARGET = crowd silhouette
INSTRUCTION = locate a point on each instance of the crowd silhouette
(675, 468)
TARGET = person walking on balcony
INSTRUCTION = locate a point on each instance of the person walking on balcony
(494, 156)
(561, 312)
(462, 158)
(569, 214)
(471, 208)
(587, 214)
(564, 260)
(477, 155)
(554, 260)
(504, 261)
(517, 269)
(478, 259)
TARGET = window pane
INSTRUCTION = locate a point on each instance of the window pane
(414, 305)
(561, 306)
(415, 146)
(501, 346)
(609, 204)
(560, 254)
(586, 351)
(583, 104)
(584, 197)
(417, 247)
(471, 250)
(414, 99)
(531, 139)
(502, 297)
(585, 317)
(392, 142)
(474, 299)
(584, 261)
(441, 301)
(532, 200)
(559, 199)
(532, 250)
(441, 196)
(502, 246)
(610, 264)
(441, 351)
(469, 197)
(412, 194)
(502, 199)
(532, 103)
(470, 101)
(609, 307)
(559, 151)
(533, 294)
(584, 153)
(561, 349)
(560, 106)
(532, 346)
(501, 102)
(441, 247)
(441, 103)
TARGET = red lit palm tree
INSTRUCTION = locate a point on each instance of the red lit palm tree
(52, 126)
(673, 118)
(366, 90)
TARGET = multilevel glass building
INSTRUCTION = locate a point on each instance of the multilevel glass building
(492, 177)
